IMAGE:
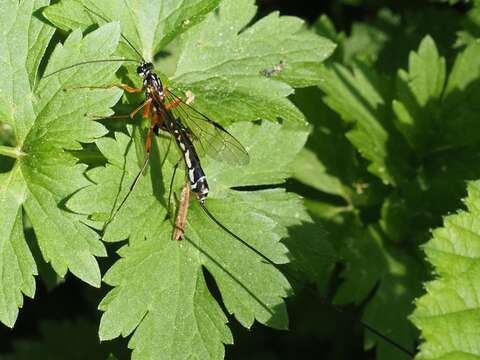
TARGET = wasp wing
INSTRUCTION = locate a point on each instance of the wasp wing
(208, 136)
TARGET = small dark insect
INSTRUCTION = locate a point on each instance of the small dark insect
(275, 70)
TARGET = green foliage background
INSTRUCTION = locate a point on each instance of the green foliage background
(362, 185)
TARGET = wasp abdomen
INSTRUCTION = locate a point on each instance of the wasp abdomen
(196, 176)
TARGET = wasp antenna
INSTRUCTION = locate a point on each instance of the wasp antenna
(104, 18)
(387, 339)
(85, 63)
(235, 236)
(133, 47)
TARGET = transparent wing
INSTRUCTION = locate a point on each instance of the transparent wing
(208, 136)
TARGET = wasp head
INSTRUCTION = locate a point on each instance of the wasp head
(144, 69)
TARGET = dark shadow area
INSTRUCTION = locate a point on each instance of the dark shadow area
(316, 331)
(6, 164)
(61, 322)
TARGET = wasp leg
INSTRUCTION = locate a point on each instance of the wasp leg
(156, 122)
(172, 104)
(148, 142)
(146, 112)
(121, 86)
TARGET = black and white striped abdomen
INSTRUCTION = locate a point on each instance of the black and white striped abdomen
(195, 174)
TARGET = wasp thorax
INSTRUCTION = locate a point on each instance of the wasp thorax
(144, 68)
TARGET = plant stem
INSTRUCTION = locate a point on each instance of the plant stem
(12, 152)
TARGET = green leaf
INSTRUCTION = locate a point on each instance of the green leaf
(207, 51)
(419, 95)
(311, 171)
(396, 218)
(222, 61)
(45, 271)
(357, 285)
(331, 164)
(434, 116)
(397, 290)
(461, 100)
(362, 98)
(16, 261)
(391, 279)
(368, 40)
(324, 26)
(47, 119)
(160, 289)
(23, 42)
(447, 314)
(161, 292)
(315, 166)
(470, 26)
(384, 41)
(147, 25)
(310, 245)
(217, 51)
(445, 173)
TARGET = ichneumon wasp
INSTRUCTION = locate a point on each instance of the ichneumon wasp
(170, 113)
(193, 132)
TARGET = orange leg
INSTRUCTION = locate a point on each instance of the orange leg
(148, 108)
(148, 142)
(174, 103)
(146, 104)
(156, 120)
(128, 88)
(188, 101)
